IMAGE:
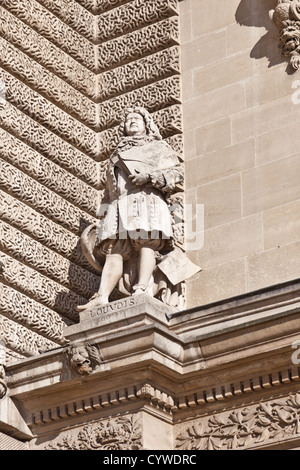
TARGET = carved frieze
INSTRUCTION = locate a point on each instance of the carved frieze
(244, 428)
(122, 433)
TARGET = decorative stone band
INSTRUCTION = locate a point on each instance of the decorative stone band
(132, 16)
(154, 97)
(48, 173)
(33, 315)
(138, 44)
(101, 402)
(78, 111)
(249, 427)
(74, 15)
(51, 300)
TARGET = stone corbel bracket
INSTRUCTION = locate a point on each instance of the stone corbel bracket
(286, 16)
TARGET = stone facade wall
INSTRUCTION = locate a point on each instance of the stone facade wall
(241, 115)
(67, 70)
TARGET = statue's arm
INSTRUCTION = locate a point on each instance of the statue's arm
(169, 180)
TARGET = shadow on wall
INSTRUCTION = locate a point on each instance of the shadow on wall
(256, 13)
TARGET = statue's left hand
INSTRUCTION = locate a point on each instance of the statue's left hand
(139, 179)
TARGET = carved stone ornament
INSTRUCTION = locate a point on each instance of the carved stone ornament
(83, 358)
(286, 17)
(123, 433)
(274, 420)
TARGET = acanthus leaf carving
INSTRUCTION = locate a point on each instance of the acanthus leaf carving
(245, 428)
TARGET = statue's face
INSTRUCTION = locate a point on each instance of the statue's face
(135, 124)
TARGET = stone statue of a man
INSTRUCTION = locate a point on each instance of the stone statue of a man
(133, 245)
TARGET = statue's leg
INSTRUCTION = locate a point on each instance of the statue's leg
(111, 274)
(147, 263)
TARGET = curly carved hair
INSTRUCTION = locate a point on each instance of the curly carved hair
(151, 127)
